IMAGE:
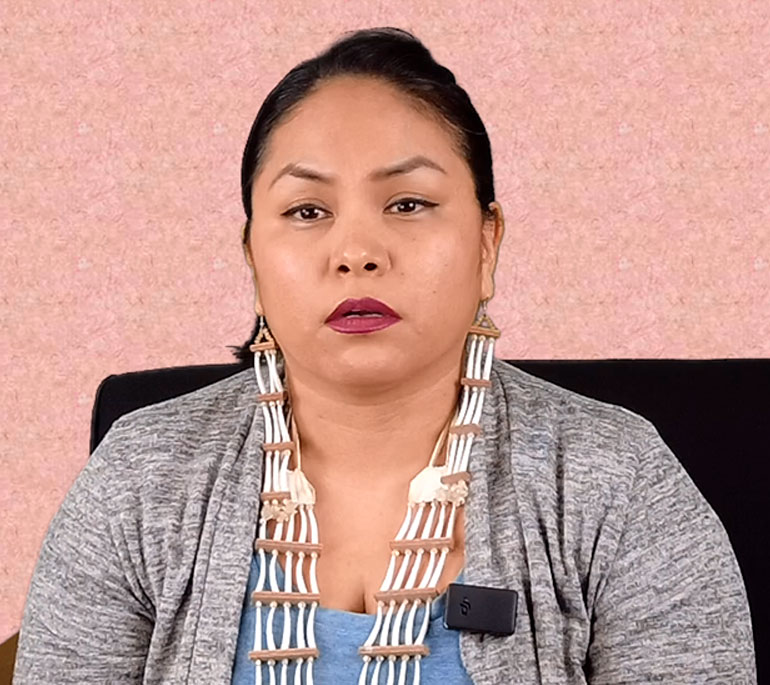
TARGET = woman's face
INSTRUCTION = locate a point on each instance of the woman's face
(361, 235)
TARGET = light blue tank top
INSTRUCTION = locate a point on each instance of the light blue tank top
(339, 634)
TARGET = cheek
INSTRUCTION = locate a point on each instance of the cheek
(285, 282)
(291, 269)
(449, 263)
(446, 284)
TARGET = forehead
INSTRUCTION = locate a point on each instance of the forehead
(357, 123)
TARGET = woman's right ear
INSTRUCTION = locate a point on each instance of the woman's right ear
(247, 254)
(245, 246)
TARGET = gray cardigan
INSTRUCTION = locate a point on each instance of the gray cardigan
(624, 571)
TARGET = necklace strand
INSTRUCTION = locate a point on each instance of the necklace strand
(288, 499)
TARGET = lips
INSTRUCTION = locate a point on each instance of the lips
(366, 307)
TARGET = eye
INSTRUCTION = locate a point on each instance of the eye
(308, 208)
(307, 211)
(412, 201)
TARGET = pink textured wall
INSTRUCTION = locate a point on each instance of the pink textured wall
(632, 156)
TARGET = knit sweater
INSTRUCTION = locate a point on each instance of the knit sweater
(624, 571)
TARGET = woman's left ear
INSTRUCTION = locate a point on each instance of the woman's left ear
(491, 235)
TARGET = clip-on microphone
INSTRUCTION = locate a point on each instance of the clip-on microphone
(480, 609)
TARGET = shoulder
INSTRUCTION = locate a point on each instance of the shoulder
(209, 410)
(550, 424)
(578, 467)
(165, 450)
(149, 495)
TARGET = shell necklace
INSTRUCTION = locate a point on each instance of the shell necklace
(418, 551)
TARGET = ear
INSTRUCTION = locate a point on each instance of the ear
(491, 235)
(247, 254)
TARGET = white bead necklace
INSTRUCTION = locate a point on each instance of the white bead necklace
(421, 547)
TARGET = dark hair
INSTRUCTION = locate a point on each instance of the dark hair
(394, 56)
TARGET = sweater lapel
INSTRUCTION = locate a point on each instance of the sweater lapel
(230, 527)
(489, 554)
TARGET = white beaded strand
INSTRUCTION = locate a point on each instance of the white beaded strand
(423, 529)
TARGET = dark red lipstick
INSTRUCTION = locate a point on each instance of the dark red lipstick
(361, 316)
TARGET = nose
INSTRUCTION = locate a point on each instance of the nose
(359, 252)
(358, 264)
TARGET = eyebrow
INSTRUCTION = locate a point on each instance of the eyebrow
(403, 167)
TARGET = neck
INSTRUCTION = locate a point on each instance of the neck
(386, 433)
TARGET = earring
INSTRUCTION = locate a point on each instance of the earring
(264, 339)
(483, 325)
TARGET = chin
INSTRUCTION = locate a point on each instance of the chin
(373, 367)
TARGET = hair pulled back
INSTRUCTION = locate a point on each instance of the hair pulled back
(398, 58)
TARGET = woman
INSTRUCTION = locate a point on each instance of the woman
(300, 521)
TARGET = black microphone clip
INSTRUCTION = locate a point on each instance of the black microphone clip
(479, 609)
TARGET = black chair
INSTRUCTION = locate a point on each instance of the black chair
(711, 413)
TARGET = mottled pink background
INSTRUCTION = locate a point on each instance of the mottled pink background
(631, 143)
